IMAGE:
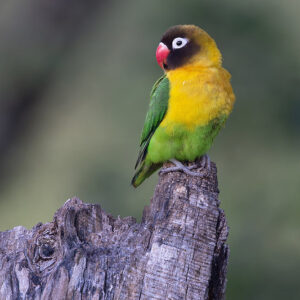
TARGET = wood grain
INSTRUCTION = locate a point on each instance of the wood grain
(178, 251)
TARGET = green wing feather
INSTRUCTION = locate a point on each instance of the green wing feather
(159, 99)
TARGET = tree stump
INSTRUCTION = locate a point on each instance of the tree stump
(178, 251)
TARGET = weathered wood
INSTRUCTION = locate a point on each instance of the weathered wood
(178, 251)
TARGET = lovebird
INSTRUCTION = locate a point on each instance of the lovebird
(189, 104)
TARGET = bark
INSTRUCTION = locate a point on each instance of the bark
(178, 251)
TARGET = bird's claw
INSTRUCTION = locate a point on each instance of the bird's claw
(204, 163)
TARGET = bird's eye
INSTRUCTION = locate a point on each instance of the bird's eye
(179, 43)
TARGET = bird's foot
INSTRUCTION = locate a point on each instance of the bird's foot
(205, 162)
(180, 167)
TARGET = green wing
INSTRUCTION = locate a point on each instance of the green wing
(159, 99)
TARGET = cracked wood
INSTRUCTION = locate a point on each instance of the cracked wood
(178, 251)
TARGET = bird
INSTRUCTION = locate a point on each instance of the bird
(189, 103)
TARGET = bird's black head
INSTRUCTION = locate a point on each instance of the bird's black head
(186, 44)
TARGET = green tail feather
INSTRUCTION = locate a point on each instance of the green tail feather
(144, 172)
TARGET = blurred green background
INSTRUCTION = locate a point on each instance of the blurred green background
(75, 78)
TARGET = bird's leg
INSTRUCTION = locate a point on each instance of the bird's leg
(205, 162)
(180, 167)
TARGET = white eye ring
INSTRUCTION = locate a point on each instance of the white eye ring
(179, 42)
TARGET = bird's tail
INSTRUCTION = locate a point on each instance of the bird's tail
(144, 172)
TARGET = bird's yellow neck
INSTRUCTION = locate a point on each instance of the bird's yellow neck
(197, 96)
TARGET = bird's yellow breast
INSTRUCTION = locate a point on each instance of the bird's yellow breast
(197, 96)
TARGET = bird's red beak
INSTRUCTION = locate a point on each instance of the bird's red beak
(162, 53)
